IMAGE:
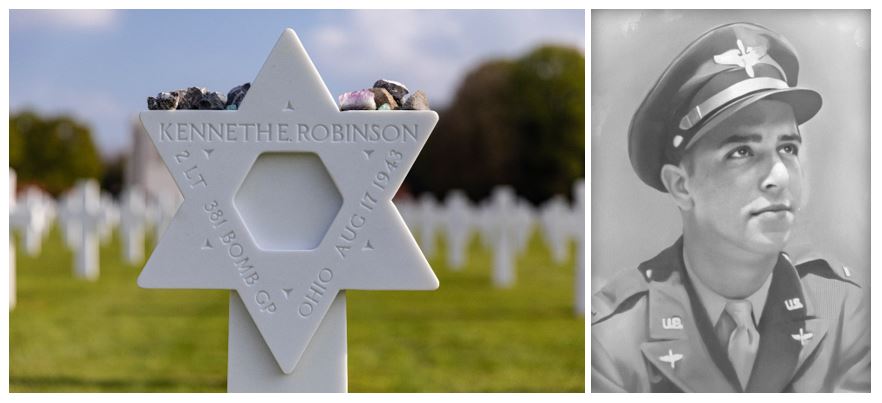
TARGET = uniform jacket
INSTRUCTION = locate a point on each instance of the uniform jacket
(649, 332)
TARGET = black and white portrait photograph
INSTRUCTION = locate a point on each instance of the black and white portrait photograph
(730, 201)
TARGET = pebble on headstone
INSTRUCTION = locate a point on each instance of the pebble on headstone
(237, 95)
(398, 90)
(164, 101)
(191, 97)
(383, 97)
(357, 100)
(213, 101)
(416, 102)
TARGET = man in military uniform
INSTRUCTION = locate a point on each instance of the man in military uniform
(724, 309)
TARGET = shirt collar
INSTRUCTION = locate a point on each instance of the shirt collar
(715, 303)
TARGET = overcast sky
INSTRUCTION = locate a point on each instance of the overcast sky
(100, 66)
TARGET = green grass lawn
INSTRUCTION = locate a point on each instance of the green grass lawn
(69, 335)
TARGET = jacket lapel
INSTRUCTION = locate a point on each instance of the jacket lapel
(675, 347)
(789, 332)
(815, 326)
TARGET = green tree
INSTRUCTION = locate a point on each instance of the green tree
(52, 152)
(549, 116)
(518, 122)
(472, 146)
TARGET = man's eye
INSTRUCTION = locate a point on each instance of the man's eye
(740, 152)
(789, 149)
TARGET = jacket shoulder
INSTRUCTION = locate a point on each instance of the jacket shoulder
(820, 270)
(620, 294)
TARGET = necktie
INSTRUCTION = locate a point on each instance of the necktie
(738, 335)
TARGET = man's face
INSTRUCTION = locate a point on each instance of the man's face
(745, 179)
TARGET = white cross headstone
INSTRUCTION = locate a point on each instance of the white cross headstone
(522, 224)
(160, 210)
(457, 225)
(35, 209)
(554, 222)
(408, 211)
(578, 231)
(12, 289)
(69, 218)
(288, 202)
(484, 222)
(109, 218)
(502, 235)
(428, 224)
(87, 217)
(133, 217)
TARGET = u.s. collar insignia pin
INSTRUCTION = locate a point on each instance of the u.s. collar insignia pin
(793, 304)
(742, 57)
(671, 358)
(672, 323)
(803, 337)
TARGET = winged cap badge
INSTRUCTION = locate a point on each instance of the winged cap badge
(742, 57)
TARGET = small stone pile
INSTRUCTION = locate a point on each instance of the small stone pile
(198, 98)
(385, 95)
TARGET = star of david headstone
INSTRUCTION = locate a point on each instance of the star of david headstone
(287, 200)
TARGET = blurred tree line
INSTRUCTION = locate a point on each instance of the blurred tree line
(52, 152)
(517, 122)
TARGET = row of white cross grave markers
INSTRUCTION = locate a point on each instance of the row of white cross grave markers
(86, 218)
(287, 327)
(503, 223)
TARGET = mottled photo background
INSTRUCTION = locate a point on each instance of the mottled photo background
(632, 222)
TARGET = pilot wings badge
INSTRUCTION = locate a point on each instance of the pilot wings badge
(742, 57)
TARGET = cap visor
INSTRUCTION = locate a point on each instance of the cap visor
(805, 104)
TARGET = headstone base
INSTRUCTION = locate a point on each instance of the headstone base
(252, 368)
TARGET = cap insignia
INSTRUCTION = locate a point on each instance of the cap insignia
(742, 57)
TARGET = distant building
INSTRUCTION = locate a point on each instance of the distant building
(146, 169)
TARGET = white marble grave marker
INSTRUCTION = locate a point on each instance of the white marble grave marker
(427, 214)
(133, 218)
(287, 202)
(88, 218)
(502, 235)
(408, 210)
(12, 288)
(555, 220)
(457, 226)
(109, 218)
(68, 219)
(160, 210)
(522, 224)
(578, 231)
(35, 210)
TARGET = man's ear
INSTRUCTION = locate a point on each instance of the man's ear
(675, 178)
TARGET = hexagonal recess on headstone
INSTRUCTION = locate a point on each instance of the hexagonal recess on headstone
(288, 201)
